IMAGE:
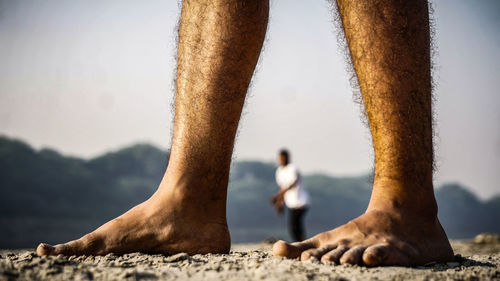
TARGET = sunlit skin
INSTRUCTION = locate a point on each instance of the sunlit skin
(389, 44)
(219, 46)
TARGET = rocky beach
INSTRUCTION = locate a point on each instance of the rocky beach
(474, 260)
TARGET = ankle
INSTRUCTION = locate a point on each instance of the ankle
(409, 199)
(196, 181)
(192, 197)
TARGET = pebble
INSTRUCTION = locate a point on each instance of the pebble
(176, 257)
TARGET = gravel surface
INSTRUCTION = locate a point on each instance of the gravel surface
(245, 262)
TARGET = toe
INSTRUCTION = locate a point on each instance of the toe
(316, 253)
(375, 255)
(384, 254)
(353, 255)
(335, 254)
(44, 249)
(291, 250)
(68, 249)
(87, 245)
(395, 256)
(49, 250)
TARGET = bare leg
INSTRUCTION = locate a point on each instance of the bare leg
(219, 46)
(390, 47)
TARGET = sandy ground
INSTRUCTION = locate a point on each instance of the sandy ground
(245, 262)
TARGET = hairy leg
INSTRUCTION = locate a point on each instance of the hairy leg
(219, 46)
(389, 44)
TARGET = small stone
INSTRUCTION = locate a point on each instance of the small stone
(487, 238)
(83, 276)
(177, 257)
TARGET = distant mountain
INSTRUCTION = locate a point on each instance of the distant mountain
(45, 196)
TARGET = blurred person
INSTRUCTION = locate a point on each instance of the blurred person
(293, 193)
(219, 44)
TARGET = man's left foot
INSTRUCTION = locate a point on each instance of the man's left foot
(378, 237)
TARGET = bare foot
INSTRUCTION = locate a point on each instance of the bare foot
(378, 237)
(166, 223)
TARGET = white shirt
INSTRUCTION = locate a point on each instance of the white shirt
(296, 197)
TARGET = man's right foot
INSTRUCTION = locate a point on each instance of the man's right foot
(166, 223)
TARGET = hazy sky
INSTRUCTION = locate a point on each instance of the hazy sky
(86, 77)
